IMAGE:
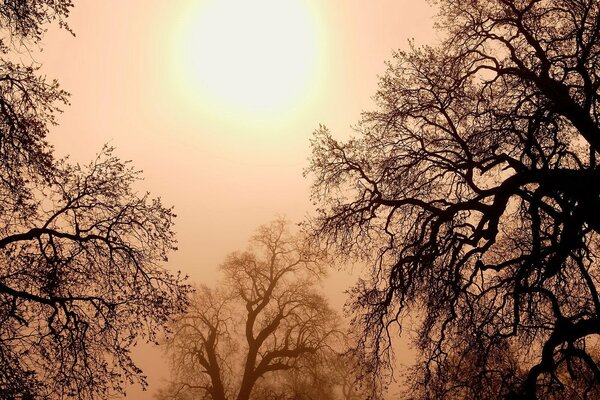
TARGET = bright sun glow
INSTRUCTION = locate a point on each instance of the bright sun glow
(258, 55)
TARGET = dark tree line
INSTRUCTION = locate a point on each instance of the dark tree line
(474, 190)
(81, 251)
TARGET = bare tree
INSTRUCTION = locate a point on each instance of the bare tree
(329, 376)
(473, 190)
(351, 380)
(81, 250)
(466, 375)
(313, 380)
(266, 316)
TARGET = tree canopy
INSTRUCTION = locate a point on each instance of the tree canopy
(81, 250)
(473, 189)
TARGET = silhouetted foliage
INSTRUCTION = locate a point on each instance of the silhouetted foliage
(81, 250)
(264, 319)
(474, 190)
(22, 21)
(467, 375)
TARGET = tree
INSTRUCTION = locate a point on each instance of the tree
(464, 376)
(316, 377)
(473, 191)
(81, 251)
(312, 378)
(319, 378)
(265, 317)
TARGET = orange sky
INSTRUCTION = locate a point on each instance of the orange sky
(226, 168)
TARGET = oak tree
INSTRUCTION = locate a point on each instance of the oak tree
(473, 190)
(81, 249)
(265, 317)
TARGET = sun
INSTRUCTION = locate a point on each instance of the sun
(258, 55)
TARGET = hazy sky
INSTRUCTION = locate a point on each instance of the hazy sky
(215, 100)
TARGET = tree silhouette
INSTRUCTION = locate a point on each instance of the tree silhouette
(468, 376)
(265, 317)
(22, 21)
(473, 189)
(335, 376)
(81, 250)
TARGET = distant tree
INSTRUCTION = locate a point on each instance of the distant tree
(333, 376)
(81, 250)
(351, 380)
(474, 191)
(312, 378)
(265, 317)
